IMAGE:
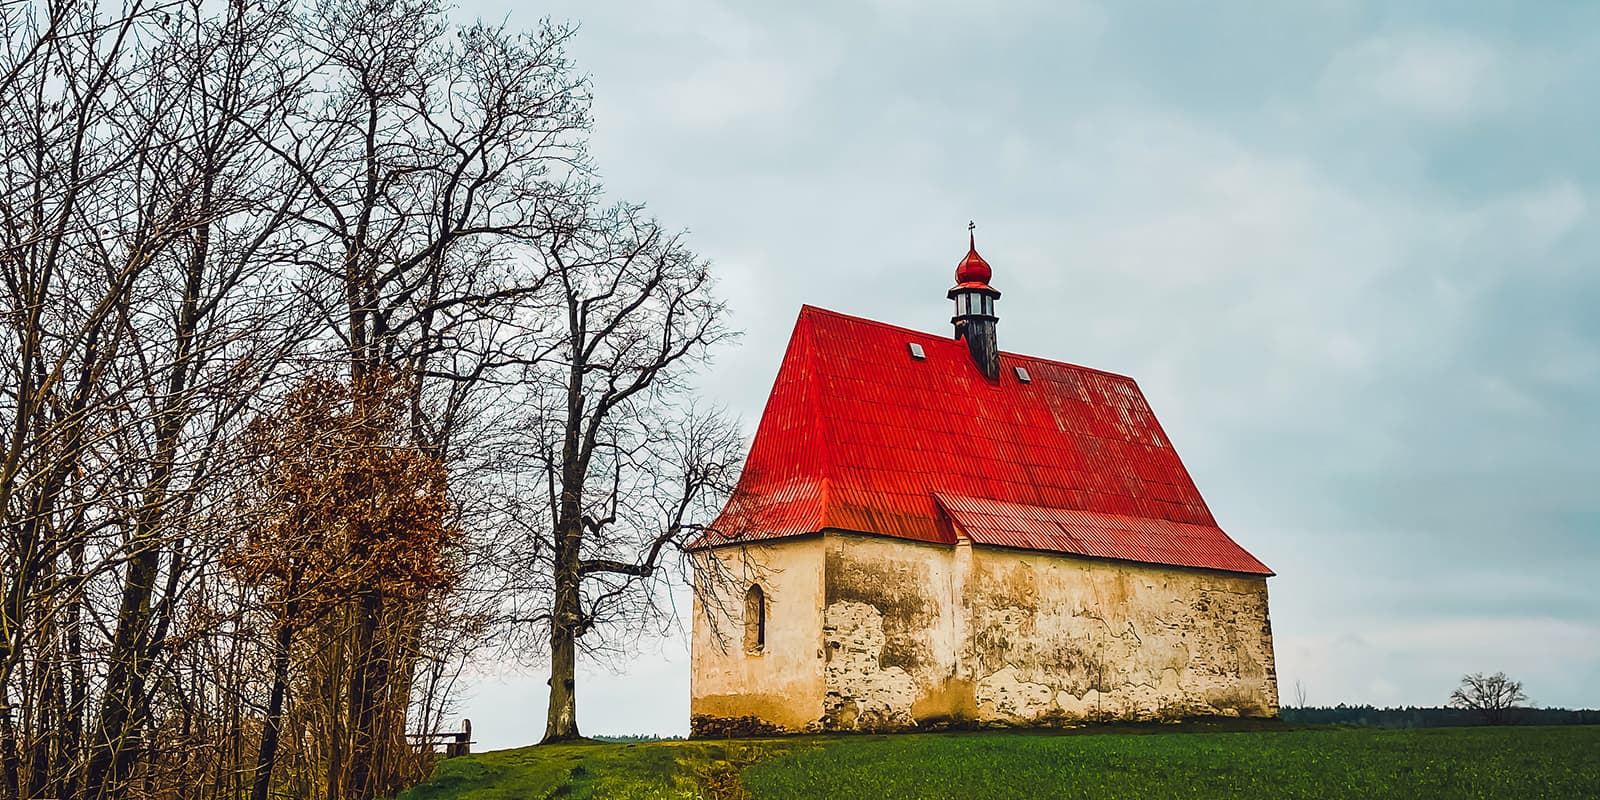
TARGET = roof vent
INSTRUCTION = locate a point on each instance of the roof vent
(1022, 375)
(916, 351)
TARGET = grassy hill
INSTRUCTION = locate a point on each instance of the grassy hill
(1511, 762)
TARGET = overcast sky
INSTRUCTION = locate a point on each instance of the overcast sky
(1348, 250)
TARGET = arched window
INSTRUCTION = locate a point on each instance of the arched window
(755, 620)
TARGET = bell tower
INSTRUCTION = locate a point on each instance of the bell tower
(974, 319)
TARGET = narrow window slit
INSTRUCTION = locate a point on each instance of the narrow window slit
(755, 620)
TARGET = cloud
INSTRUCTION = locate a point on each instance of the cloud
(1547, 214)
(1434, 75)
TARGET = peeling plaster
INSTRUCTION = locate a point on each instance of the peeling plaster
(861, 693)
(1007, 696)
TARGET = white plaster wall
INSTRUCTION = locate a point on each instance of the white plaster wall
(782, 686)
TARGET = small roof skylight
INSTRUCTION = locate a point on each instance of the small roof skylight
(1022, 375)
(916, 351)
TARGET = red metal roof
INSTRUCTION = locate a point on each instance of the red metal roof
(1088, 533)
(860, 436)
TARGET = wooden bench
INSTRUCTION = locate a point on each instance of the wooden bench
(455, 743)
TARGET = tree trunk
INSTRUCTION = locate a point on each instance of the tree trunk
(268, 754)
(336, 736)
(116, 745)
(112, 756)
(48, 700)
(78, 702)
(10, 751)
(367, 680)
(561, 720)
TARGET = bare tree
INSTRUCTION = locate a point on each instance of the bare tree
(620, 468)
(138, 222)
(1492, 696)
(211, 306)
(199, 202)
(429, 153)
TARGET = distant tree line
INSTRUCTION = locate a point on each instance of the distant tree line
(1429, 717)
(325, 365)
(1479, 699)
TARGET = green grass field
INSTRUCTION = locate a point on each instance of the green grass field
(1513, 762)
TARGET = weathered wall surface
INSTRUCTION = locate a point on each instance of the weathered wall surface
(780, 687)
(890, 632)
(927, 635)
(873, 633)
(1055, 637)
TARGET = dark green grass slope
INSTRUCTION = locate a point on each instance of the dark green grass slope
(628, 771)
(1519, 762)
(1551, 762)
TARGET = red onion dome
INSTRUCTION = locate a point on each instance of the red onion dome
(973, 269)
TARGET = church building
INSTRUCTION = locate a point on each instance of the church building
(933, 532)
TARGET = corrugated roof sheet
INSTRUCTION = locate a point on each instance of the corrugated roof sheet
(1089, 533)
(858, 435)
